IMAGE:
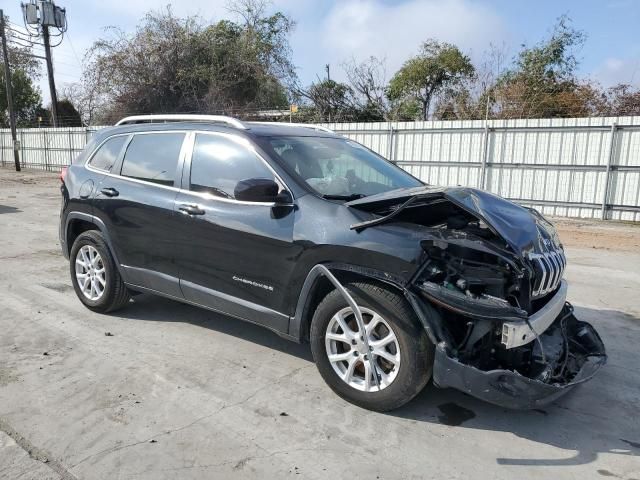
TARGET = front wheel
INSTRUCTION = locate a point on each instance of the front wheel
(398, 361)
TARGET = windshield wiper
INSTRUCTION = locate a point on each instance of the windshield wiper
(353, 196)
(358, 227)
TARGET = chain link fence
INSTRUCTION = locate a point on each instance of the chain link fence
(578, 167)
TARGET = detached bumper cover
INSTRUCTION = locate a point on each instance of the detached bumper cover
(511, 389)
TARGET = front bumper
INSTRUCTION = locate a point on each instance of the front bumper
(516, 334)
(508, 388)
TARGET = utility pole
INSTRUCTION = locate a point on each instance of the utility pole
(39, 16)
(9, 89)
(52, 83)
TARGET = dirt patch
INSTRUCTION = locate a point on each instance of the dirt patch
(27, 177)
(619, 236)
(7, 377)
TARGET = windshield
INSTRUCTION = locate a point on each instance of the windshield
(340, 168)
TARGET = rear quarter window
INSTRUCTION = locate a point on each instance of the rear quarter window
(107, 155)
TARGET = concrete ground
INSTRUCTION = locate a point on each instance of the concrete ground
(177, 392)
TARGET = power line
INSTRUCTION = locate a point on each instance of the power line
(24, 45)
(25, 36)
(74, 51)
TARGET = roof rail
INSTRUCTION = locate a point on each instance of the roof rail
(178, 117)
(306, 125)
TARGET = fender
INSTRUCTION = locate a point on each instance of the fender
(66, 249)
(431, 323)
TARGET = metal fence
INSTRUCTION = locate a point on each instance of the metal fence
(580, 167)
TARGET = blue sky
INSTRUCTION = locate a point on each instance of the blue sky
(333, 31)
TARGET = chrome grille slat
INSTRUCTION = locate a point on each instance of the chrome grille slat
(557, 270)
(551, 263)
(544, 276)
(547, 274)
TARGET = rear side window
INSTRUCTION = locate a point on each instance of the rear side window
(218, 164)
(153, 157)
(107, 155)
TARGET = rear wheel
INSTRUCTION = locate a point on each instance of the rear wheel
(94, 274)
(399, 351)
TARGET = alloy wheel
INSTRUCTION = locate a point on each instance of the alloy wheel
(90, 272)
(349, 356)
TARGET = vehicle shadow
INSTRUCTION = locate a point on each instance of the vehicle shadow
(597, 417)
(154, 308)
(9, 209)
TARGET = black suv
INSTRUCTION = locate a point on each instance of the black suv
(319, 239)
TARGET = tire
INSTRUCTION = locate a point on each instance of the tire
(412, 349)
(114, 294)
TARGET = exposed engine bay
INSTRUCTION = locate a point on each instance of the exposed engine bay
(490, 292)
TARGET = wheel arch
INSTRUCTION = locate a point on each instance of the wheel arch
(78, 223)
(316, 286)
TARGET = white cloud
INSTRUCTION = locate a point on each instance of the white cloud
(618, 70)
(327, 32)
(360, 28)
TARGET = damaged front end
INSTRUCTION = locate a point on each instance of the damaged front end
(491, 296)
(566, 354)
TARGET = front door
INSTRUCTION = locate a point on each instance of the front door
(235, 256)
(136, 203)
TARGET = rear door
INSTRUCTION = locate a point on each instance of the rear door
(235, 256)
(137, 205)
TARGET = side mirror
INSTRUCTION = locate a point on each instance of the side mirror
(284, 198)
(261, 190)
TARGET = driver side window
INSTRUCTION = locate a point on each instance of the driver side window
(218, 164)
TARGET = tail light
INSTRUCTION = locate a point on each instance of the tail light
(63, 174)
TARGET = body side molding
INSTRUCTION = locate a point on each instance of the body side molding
(141, 289)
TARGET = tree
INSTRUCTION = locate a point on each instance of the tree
(26, 99)
(86, 98)
(437, 67)
(622, 100)
(543, 82)
(26, 95)
(367, 80)
(469, 100)
(330, 101)
(68, 115)
(176, 64)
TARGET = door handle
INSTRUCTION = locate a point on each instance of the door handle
(190, 209)
(110, 192)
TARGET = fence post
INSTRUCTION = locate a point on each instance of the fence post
(70, 147)
(607, 175)
(485, 146)
(46, 150)
(21, 146)
(485, 153)
(390, 148)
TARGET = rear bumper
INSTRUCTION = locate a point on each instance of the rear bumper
(508, 388)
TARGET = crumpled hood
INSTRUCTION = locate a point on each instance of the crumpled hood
(524, 229)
